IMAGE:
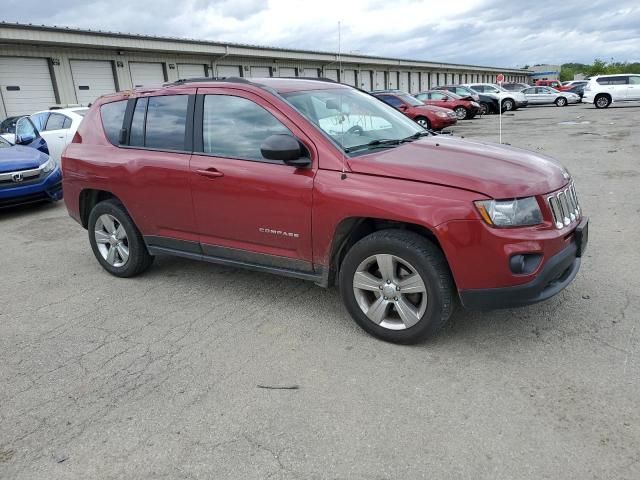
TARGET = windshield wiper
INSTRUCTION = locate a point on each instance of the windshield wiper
(374, 144)
(415, 136)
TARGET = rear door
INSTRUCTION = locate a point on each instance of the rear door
(246, 207)
(55, 133)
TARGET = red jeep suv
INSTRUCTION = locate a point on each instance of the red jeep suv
(323, 182)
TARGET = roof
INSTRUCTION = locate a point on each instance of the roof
(86, 38)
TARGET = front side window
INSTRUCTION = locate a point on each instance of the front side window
(25, 130)
(166, 122)
(634, 80)
(235, 127)
(351, 118)
(438, 96)
(112, 115)
(40, 120)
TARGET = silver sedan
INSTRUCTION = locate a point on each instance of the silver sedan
(548, 95)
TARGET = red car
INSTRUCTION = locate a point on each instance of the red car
(548, 83)
(430, 117)
(322, 182)
(463, 108)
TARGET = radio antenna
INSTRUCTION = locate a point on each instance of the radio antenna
(340, 73)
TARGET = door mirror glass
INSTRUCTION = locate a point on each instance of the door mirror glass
(25, 131)
(286, 148)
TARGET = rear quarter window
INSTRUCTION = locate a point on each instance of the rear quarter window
(112, 115)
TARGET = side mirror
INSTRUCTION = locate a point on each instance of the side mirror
(25, 131)
(285, 148)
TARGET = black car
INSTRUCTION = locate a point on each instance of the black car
(488, 103)
(8, 125)
(578, 89)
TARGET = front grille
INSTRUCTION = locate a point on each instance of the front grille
(564, 206)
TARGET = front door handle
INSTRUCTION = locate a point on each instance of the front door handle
(210, 173)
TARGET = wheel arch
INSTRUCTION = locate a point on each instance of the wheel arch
(351, 230)
(89, 198)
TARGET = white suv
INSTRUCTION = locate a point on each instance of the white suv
(509, 100)
(603, 90)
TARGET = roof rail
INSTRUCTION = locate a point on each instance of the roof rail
(182, 81)
(317, 79)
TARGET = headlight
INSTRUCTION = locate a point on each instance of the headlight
(441, 114)
(475, 104)
(510, 213)
(47, 166)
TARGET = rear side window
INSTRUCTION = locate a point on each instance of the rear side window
(112, 117)
(622, 80)
(391, 100)
(235, 127)
(39, 120)
(166, 122)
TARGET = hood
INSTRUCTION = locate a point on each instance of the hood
(17, 157)
(497, 171)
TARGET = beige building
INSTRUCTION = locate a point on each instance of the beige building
(42, 66)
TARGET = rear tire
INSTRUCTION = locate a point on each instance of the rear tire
(602, 101)
(116, 241)
(485, 108)
(397, 286)
(561, 102)
(423, 122)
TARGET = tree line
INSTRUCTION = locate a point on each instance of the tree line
(598, 67)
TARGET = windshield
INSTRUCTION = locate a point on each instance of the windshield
(4, 143)
(352, 118)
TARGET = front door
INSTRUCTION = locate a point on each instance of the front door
(55, 133)
(248, 208)
(633, 89)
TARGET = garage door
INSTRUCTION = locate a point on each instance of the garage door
(92, 79)
(424, 81)
(393, 79)
(349, 77)
(143, 74)
(228, 71)
(380, 81)
(25, 85)
(311, 73)
(287, 72)
(404, 81)
(260, 72)
(331, 73)
(365, 80)
(191, 70)
(414, 87)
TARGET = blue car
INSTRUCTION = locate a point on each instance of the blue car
(27, 174)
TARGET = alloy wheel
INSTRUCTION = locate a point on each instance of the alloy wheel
(112, 241)
(390, 291)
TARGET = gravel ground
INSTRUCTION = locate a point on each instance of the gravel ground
(157, 377)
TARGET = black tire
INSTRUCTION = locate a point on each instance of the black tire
(139, 258)
(427, 260)
(508, 105)
(485, 108)
(602, 101)
(423, 122)
(561, 102)
(461, 112)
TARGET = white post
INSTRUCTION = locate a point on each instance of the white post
(500, 119)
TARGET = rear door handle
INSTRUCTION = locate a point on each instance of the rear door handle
(210, 173)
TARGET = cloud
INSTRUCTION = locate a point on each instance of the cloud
(481, 32)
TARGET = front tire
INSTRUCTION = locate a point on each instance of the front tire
(116, 241)
(461, 113)
(397, 286)
(423, 122)
(561, 102)
(602, 101)
(508, 105)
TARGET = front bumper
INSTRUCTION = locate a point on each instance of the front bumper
(48, 189)
(557, 273)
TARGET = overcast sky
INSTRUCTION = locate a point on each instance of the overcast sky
(482, 32)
